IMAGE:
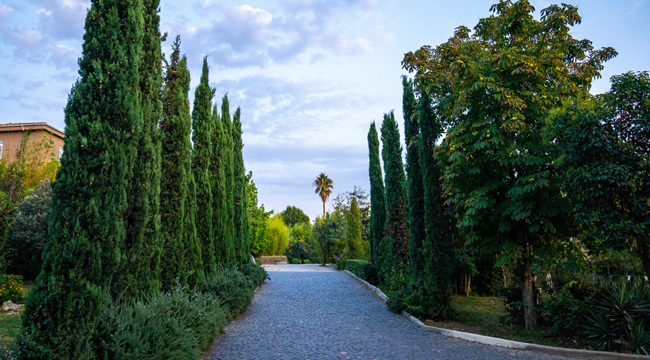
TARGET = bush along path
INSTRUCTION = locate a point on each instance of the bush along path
(311, 312)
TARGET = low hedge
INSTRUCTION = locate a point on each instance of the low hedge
(363, 269)
(11, 288)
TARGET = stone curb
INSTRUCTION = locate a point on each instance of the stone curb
(488, 340)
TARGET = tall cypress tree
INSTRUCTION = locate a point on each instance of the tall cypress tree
(415, 190)
(87, 227)
(437, 241)
(218, 178)
(227, 144)
(175, 126)
(239, 196)
(353, 233)
(192, 243)
(201, 157)
(377, 203)
(396, 211)
(142, 244)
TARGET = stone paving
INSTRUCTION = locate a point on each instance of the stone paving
(311, 312)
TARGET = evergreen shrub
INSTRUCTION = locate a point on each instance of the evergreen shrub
(255, 273)
(233, 287)
(364, 270)
(177, 324)
(11, 288)
(341, 264)
(295, 261)
(307, 261)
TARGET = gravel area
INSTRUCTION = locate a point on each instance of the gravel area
(314, 312)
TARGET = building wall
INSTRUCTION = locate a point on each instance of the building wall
(11, 142)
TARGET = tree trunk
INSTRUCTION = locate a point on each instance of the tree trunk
(644, 252)
(530, 315)
(322, 248)
(323, 209)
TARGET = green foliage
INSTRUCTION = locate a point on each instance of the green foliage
(307, 261)
(300, 232)
(233, 287)
(201, 154)
(377, 203)
(11, 288)
(414, 185)
(177, 324)
(293, 216)
(142, 245)
(364, 270)
(501, 170)
(299, 250)
(255, 273)
(295, 261)
(240, 192)
(327, 232)
(323, 185)
(233, 244)
(224, 246)
(277, 236)
(86, 251)
(257, 219)
(28, 235)
(619, 317)
(176, 173)
(396, 211)
(353, 231)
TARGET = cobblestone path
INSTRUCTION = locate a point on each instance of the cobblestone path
(310, 312)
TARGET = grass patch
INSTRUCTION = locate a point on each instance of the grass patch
(487, 316)
(10, 324)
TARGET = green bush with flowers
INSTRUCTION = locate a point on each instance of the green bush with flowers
(11, 288)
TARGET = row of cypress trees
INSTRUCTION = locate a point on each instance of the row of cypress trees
(409, 224)
(137, 207)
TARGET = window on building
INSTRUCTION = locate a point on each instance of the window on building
(60, 152)
(1, 148)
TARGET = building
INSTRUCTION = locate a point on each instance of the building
(12, 135)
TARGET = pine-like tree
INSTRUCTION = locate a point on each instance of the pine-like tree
(143, 247)
(353, 233)
(227, 144)
(377, 203)
(396, 211)
(240, 198)
(414, 188)
(201, 157)
(192, 243)
(176, 159)
(223, 250)
(436, 244)
(88, 221)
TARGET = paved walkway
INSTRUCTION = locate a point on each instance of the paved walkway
(311, 312)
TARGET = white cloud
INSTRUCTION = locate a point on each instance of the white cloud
(247, 13)
(64, 56)
(364, 45)
(5, 11)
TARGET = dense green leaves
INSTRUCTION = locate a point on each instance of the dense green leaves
(240, 192)
(377, 203)
(201, 156)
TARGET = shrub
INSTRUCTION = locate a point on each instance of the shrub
(28, 235)
(363, 269)
(11, 288)
(233, 287)
(619, 318)
(307, 261)
(341, 264)
(178, 324)
(255, 273)
(258, 262)
(295, 261)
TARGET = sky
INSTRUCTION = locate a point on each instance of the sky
(310, 75)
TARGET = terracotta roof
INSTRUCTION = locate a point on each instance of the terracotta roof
(8, 127)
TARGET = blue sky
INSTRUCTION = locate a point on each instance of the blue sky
(310, 75)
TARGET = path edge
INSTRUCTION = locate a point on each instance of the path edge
(488, 340)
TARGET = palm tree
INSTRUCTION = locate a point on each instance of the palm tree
(324, 187)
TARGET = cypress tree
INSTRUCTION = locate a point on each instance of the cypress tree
(201, 157)
(396, 226)
(437, 241)
(377, 204)
(227, 144)
(175, 126)
(415, 190)
(142, 244)
(218, 178)
(353, 234)
(192, 243)
(239, 196)
(87, 228)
